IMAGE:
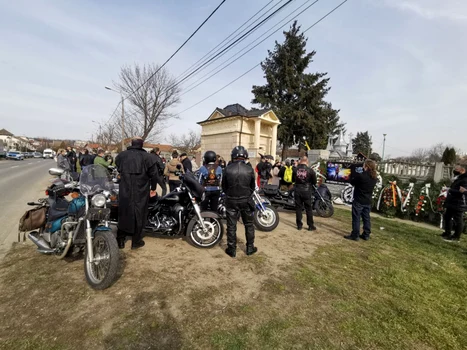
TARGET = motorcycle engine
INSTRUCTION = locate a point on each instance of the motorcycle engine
(162, 222)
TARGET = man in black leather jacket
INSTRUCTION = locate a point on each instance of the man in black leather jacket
(304, 179)
(456, 205)
(238, 184)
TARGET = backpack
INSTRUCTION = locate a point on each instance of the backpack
(211, 179)
(288, 174)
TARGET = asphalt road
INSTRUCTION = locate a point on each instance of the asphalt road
(20, 182)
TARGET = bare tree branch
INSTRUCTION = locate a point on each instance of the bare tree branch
(187, 143)
(149, 108)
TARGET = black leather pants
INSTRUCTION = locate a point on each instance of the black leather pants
(235, 209)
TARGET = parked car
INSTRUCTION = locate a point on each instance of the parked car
(2, 154)
(37, 155)
(15, 156)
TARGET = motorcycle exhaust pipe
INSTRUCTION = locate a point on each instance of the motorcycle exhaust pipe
(42, 245)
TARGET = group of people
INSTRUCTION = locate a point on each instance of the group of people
(279, 173)
(68, 160)
(141, 173)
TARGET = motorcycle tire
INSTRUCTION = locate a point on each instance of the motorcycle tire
(324, 209)
(198, 238)
(102, 277)
(269, 221)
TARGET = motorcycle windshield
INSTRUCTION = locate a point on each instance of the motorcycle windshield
(94, 179)
(192, 183)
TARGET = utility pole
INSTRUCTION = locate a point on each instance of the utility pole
(384, 146)
(123, 115)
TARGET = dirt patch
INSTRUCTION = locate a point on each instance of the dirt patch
(163, 284)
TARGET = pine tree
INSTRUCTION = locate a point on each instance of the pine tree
(295, 96)
(362, 143)
(445, 157)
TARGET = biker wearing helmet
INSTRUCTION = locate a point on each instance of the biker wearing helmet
(210, 176)
(238, 185)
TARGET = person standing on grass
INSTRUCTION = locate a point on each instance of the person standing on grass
(456, 205)
(156, 153)
(238, 184)
(304, 179)
(139, 174)
(210, 176)
(364, 184)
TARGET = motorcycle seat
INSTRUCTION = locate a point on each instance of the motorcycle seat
(271, 189)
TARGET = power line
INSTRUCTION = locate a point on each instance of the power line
(222, 88)
(234, 43)
(193, 86)
(228, 37)
(259, 64)
(157, 71)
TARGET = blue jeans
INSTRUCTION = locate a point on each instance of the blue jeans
(361, 211)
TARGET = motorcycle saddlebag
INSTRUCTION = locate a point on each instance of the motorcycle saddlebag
(270, 190)
(33, 219)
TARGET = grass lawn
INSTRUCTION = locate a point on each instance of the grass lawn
(404, 289)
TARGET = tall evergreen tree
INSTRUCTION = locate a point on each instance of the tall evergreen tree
(295, 96)
(362, 143)
(445, 157)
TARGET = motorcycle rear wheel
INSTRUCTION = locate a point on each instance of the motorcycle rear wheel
(325, 208)
(268, 220)
(102, 274)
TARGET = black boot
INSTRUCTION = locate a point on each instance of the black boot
(251, 249)
(121, 242)
(138, 244)
(352, 237)
(232, 252)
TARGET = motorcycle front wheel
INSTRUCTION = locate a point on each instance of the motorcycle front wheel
(266, 220)
(213, 235)
(101, 273)
(325, 208)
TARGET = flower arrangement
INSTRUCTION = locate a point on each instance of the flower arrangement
(422, 199)
(406, 197)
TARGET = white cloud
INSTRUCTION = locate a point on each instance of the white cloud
(455, 10)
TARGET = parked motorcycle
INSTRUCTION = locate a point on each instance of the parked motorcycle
(178, 213)
(321, 199)
(266, 217)
(80, 224)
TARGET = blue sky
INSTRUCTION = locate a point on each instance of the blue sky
(396, 66)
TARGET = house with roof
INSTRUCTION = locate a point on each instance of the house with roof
(233, 125)
(166, 150)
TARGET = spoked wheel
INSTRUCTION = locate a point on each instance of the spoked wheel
(266, 220)
(208, 239)
(101, 273)
(325, 208)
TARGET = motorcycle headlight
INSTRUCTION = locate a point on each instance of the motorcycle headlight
(98, 200)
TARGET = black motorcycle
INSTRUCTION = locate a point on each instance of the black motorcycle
(321, 199)
(179, 214)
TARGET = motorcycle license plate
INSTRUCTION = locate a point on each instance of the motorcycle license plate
(98, 214)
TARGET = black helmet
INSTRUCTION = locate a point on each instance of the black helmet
(239, 152)
(210, 157)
